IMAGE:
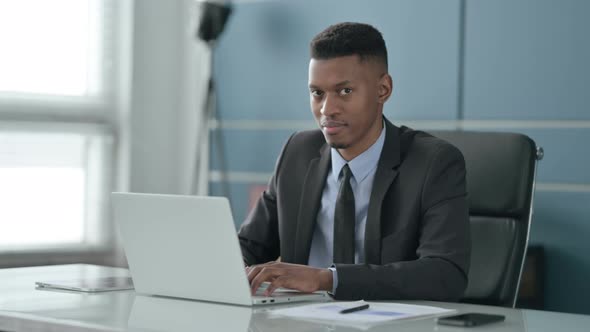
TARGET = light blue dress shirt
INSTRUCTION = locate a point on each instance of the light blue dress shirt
(363, 169)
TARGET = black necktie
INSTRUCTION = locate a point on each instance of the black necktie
(344, 221)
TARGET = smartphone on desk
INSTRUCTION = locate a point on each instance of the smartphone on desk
(470, 319)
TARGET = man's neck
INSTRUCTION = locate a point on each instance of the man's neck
(352, 152)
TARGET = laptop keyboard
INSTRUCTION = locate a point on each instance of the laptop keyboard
(280, 292)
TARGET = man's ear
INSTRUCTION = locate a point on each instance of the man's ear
(385, 88)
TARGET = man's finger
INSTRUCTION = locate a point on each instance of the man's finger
(265, 274)
(253, 272)
(262, 275)
(277, 282)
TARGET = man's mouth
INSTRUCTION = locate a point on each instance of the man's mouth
(332, 127)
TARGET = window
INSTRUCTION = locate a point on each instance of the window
(50, 182)
(51, 47)
(57, 111)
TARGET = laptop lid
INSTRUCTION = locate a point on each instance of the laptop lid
(182, 246)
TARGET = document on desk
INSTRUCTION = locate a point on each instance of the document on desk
(376, 313)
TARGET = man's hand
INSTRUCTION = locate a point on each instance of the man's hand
(300, 277)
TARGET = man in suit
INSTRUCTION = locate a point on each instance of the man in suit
(360, 208)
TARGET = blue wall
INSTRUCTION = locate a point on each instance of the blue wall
(525, 69)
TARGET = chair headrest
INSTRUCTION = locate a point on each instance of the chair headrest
(500, 170)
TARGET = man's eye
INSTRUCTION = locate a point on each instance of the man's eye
(317, 93)
(345, 91)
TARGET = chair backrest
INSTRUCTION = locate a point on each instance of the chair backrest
(501, 171)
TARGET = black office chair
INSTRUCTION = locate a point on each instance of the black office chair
(501, 171)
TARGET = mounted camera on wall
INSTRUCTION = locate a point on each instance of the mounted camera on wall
(214, 16)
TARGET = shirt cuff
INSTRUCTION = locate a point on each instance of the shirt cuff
(334, 279)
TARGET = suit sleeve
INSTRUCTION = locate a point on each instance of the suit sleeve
(259, 235)
(440, 271)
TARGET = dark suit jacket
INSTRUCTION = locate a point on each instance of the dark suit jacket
(417, 243)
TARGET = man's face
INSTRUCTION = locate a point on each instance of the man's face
(346, 98)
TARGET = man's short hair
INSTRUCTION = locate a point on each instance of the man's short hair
(349, 38)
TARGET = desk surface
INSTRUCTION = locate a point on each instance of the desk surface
(24, 308)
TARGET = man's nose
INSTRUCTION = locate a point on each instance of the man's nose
(329, 106)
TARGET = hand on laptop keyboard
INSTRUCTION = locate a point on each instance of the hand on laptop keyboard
(303, 278)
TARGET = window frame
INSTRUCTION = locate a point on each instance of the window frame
(97, 115)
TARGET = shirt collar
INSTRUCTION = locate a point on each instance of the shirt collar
(362, 164)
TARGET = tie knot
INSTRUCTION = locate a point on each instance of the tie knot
(346, 173)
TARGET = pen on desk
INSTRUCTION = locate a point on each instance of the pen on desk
(354, 309)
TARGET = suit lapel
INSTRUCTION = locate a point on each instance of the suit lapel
(384, 176)
(311, 197)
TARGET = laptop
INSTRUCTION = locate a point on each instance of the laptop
(187, 247)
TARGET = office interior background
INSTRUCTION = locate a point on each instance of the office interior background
(105, 95)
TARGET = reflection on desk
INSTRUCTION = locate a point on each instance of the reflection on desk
(165, 314)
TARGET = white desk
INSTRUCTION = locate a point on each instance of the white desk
(23, 308)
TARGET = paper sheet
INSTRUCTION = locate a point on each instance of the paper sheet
(377, 312)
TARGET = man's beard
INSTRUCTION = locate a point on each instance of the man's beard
(339, 145)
